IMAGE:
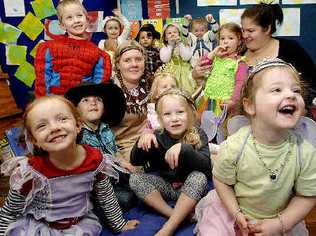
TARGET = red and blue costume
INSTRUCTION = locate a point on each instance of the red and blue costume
(62, 63)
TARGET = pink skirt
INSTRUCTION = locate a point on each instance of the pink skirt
(213, 219)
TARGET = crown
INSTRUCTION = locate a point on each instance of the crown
(165, 69)
(269, 62)
(178, 92)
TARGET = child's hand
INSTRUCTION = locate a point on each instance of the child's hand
(117, 12)
(266, 227)
(241, 221)
(172, 156)
(220, 51)
(146, 140)
(128, 166)
(131, 224)
(188, 17)
(209, 18)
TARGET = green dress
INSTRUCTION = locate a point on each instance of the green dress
(220, 83)
(183, 71)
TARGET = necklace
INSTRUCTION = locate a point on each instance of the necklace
(274, 174)
(136, 98)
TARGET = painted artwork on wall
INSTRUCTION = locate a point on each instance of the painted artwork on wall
(202, 3)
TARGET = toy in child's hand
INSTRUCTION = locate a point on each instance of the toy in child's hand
(206, 61)
(188, 17)
(117, 12)
(209, 17)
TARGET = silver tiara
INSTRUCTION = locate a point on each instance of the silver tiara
(270, 62)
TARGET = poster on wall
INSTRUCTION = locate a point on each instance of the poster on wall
(14, 8)
(132, 9)
(291, 23)
(202, 3)
(290, 26)
(158, 9)
(248, 2)
(298, 1)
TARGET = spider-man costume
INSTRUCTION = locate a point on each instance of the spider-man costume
(62, 63)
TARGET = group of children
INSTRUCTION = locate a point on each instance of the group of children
(73, 184)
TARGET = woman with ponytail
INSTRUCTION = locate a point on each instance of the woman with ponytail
(259, 22)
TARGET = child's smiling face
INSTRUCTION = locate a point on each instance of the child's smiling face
(91, 109)
(278, 103)
(53, 126)
(113, 29)
(74, 21)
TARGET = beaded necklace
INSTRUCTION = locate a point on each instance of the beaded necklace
(136, 98)
(274, 174)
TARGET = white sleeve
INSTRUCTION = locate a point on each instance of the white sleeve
(185, 52)
(101, 44)
(126, 31)
(166, 53)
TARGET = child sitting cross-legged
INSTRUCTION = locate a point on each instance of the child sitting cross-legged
(179, 153)
(102, 106)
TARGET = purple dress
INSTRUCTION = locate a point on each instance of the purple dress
(50, 200)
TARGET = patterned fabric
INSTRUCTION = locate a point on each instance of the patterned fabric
(194, 187)
(202, 46)
(102, 138)
(44, 202)
(220, 84)
(153, 59)
(183, 71)
(63, 63)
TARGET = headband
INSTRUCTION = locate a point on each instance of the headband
(179, 93)
(271, 62)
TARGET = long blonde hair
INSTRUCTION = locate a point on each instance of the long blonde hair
(191, 135)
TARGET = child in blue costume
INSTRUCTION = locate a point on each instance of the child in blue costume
(70, 59)
(265, 175)
(102, 106)
(50, 191)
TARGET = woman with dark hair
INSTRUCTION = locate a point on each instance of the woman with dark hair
(259, 22)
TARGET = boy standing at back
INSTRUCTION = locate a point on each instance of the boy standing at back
(201, 40)
(66, 61)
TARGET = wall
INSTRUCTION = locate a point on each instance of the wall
(20, 91)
